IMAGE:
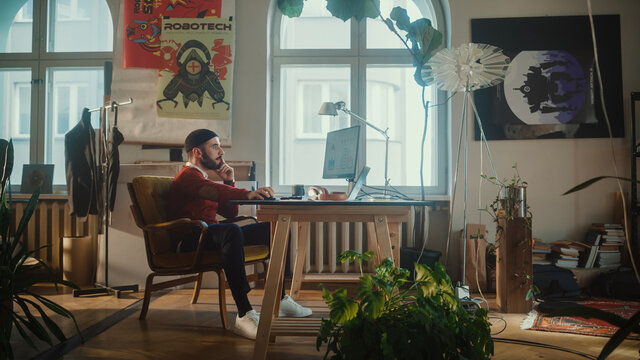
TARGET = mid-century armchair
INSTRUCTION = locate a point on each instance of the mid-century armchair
(149, 196)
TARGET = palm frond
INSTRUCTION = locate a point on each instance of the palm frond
(594, 180)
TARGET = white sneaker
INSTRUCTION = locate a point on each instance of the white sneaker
(247, 326)
(290, 308)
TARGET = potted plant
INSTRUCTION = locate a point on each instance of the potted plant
(511, 203)
(511, 200)
(394, 317)
(19, 306)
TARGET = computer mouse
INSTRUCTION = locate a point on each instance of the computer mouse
(270, 198)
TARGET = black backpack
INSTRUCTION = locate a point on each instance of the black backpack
(555, 282)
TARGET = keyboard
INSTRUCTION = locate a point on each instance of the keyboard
(295, 197)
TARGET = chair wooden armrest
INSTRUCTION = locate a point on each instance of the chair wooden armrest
(174, 224)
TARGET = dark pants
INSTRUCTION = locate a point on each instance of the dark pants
(231, 239)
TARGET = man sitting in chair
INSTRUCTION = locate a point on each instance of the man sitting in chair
(194, 195)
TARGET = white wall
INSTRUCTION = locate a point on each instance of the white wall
(549, 166)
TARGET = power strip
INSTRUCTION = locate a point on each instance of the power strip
(471, 305)
(462, 292)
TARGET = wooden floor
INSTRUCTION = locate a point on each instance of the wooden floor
(175, 329)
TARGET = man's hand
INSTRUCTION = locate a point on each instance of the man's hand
(225, 172)
(261, 193)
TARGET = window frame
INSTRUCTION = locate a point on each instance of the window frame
(39, 60)
(358, 57)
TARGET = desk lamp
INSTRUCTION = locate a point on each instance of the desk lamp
(329, 108)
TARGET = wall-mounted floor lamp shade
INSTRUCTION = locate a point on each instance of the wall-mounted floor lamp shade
(329, 108)
(468, 67)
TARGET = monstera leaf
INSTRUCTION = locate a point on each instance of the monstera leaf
(390, 317)
(291, 8)
(358, 9)
(399, 15)
(423, 37)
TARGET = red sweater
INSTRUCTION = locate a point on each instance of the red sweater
(184, 200)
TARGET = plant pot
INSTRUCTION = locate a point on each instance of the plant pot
(5, 321)
(514, 201)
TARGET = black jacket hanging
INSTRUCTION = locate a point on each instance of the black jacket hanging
(114, 164)
(81, 170)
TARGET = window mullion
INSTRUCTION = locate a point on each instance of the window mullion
(39, 125)
(40, 27)
(39, 83)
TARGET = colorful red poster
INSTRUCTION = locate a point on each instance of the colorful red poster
(193, 8)
(143, 26)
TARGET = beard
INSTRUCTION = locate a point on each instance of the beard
(210, 163)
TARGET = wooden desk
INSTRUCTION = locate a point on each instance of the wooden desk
(383, 219)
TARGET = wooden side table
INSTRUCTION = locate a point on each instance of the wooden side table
(514, 269)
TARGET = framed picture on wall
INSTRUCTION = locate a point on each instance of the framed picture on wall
(551, 89)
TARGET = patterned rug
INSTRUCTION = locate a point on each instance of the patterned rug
(578, 325)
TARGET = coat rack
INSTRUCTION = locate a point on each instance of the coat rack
(106, 147)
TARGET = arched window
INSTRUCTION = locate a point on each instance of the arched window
(52, 55)
(318, 58)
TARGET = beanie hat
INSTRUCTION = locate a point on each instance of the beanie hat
(198, 137)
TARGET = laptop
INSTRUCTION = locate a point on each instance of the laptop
(35, 174)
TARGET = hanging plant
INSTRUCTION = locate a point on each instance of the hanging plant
(342, 9)
(291, 8)
(358, 9)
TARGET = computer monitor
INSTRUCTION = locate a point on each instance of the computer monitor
(341, 154)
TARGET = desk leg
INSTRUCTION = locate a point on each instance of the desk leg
(301, 253)
(384, 240)
(394, 236)
(372, 242)
(271, 294)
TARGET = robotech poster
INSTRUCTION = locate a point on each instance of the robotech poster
(196, 69)
(143, 25)
(551, 89)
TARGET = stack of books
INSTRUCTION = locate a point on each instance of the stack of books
(588, 257)
(592, 242)
(611, 241)
(566, 254)
(541, 252)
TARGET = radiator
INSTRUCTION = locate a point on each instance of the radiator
(48, 224)
(330, 239)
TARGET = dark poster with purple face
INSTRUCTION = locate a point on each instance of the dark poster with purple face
(551, 88)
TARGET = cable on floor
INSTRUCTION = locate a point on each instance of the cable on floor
(553, 347)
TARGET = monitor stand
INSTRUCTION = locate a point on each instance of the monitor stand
(357, 185)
